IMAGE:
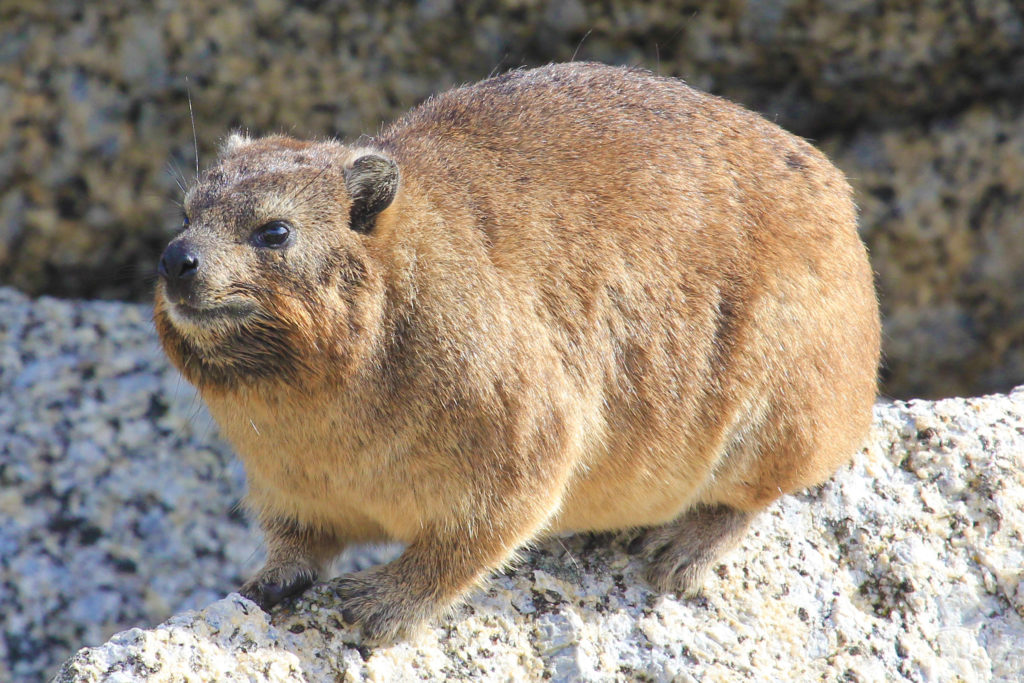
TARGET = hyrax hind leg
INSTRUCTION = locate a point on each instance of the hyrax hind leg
(681, 553)
(296, 557)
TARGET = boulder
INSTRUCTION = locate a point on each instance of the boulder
(906, 565)
(120, 512)
(97, 128)
(941, 205)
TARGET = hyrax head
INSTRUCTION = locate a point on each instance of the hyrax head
(270, 277)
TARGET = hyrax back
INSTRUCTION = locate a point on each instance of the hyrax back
(572, 298)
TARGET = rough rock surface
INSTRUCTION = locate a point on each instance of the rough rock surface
(95, 125)
(117, 502)
(941, 212)
(906, 566)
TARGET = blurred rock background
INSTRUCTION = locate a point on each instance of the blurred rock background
(921, 103)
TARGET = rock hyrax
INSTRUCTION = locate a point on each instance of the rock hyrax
(573, 298)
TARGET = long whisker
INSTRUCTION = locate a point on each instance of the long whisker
(257, 289)
(580, 44)
(179, 177)
(298, 193)
(312, 180)
(191, 116)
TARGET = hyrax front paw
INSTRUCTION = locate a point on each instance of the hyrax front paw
(274, 584)
(377, 602)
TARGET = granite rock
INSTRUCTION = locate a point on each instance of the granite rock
(119, 510)
(906, 566)
(96, 133)
(117, 501)
(941, 212)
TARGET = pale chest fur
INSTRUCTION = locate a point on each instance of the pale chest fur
(308, 463)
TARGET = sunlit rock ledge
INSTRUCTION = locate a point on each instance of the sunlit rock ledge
(907, 565)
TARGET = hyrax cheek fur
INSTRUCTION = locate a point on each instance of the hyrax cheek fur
(574, 298)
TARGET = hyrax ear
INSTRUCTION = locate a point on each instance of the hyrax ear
(236, 141)
(372, 182)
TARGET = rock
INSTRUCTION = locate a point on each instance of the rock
(117, 501)
(119, 512)
(940, 211)
(96, 133)
(906, 565)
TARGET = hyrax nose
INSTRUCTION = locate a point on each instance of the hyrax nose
(178, 266)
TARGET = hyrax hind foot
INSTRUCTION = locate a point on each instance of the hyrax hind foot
(275, 583)
(681, 553)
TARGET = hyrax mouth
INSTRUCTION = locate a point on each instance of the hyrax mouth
(188, 313)
(224, 344)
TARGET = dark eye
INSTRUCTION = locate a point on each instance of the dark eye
(273, 234)
(184, 221)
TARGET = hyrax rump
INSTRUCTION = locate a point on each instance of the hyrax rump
(566, 299)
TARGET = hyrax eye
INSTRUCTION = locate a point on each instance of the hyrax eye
(185, 221)
(274, 234)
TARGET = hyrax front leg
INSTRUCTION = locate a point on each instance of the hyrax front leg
(433, 572)
(296, 557)
(681, 553)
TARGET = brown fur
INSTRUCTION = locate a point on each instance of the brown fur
(600, 299)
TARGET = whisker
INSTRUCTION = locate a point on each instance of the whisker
(580, 44)
(209, 428)
(175, 172)
(191, 116)
(246, 287)
(134, 272)
(298, 193)
(493, 70)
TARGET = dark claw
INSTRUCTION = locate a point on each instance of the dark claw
(637, 544)
(349, 588)
(374, 604)
(266, 595)
(359, 606)
(276, 592)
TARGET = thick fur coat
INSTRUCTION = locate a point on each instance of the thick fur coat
(565, 299)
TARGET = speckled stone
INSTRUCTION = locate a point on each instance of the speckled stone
(96, 134)
(117, 501)
(906, 566)
(941, 206)
(118, 512)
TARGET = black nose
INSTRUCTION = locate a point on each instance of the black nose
(178, 266)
